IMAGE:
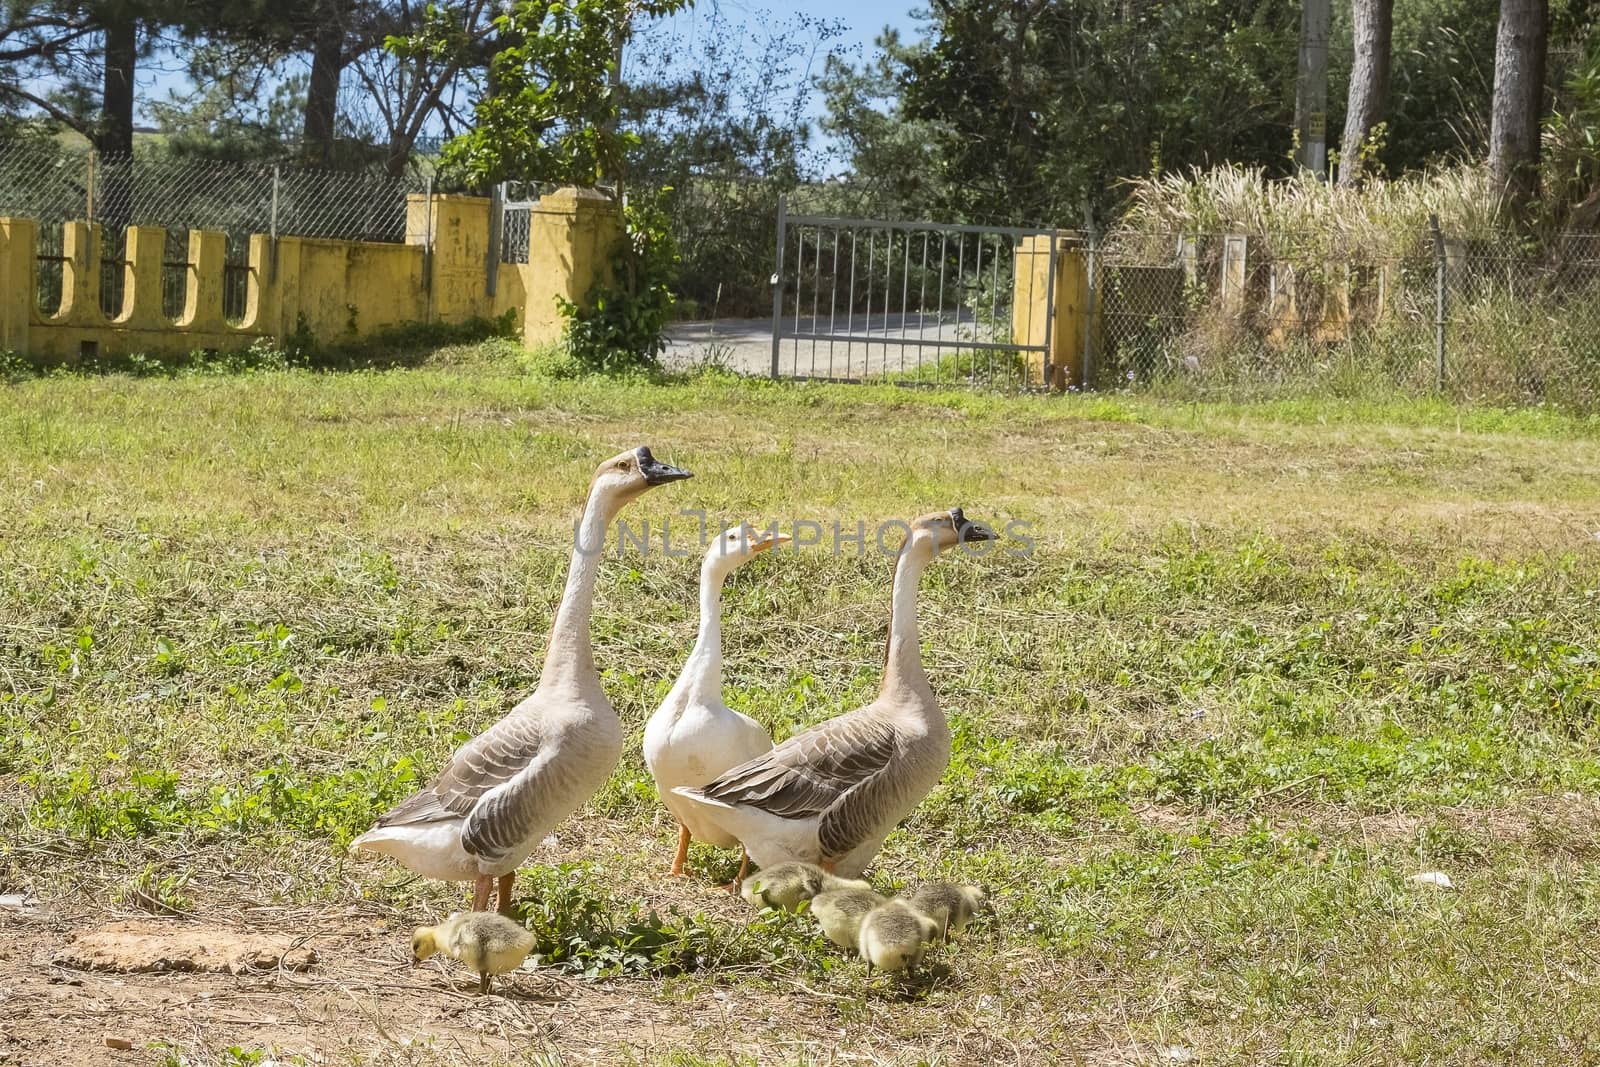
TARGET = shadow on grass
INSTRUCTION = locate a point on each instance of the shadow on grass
(407, 345)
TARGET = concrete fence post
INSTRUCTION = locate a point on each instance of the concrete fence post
(1189, 260)
(18, 282)
(202, 303)
(80, 273)
(141, 287)
(1235, 273)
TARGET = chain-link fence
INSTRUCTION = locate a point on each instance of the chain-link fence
(51, 184)
(1253, 315)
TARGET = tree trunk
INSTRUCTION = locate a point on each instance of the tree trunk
(1369, 83)
(1519, 55)
(322, 91)
(113, 203)
(115, 132)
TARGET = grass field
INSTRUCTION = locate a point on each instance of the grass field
(1263, 664)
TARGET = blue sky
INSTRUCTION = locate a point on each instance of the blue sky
(861, 20)
(770, 31)
(864, 17)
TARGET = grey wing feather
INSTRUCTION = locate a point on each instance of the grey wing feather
(829, 771)
(480, 767)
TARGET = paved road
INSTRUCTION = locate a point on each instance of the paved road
(745, 345)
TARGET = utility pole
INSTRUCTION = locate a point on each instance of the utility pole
(1311, 88)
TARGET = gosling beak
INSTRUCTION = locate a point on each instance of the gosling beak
(770, 542)
(655, 472)
(967, 530)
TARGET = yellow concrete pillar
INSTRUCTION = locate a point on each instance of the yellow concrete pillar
(141, 290)
(1030, 308)
(1030, 299)
(17, 283)
(80, 275)
(571, 236)
(260, 286)
(202, 304)
(1076, 316)
(460, 257)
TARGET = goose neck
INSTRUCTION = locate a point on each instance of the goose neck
(703, 672)
(902, 674)
(570, 657)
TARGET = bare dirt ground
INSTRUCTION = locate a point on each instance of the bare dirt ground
(93, 977)
(350, 996)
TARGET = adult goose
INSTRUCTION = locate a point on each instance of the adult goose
(693, 736)
(831, 794)
(506, 788)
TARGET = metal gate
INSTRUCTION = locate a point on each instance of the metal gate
(912, 302)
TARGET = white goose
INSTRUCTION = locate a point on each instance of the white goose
(694, 736)
(831, 794)
(506, 788)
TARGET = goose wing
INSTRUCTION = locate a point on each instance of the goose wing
(488, 786)
(835, 772)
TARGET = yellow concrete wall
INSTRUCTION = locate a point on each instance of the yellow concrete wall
(340, 291)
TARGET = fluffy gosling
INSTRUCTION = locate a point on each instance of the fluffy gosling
(895, 936)
(840, 912)
(785, 885)
(951, 906)
(485, 941)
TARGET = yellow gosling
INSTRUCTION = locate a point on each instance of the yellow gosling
(895, 936)
(840, 912)
(951, 906)
(486, 942)
(785, 885)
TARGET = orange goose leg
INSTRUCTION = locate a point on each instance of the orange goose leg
(744, 869)
(507, 881)
(480, 892)
(683, 849)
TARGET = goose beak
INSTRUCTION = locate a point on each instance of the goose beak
(967, 530)
(656, 472)
(977, 531)
(770, 542)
